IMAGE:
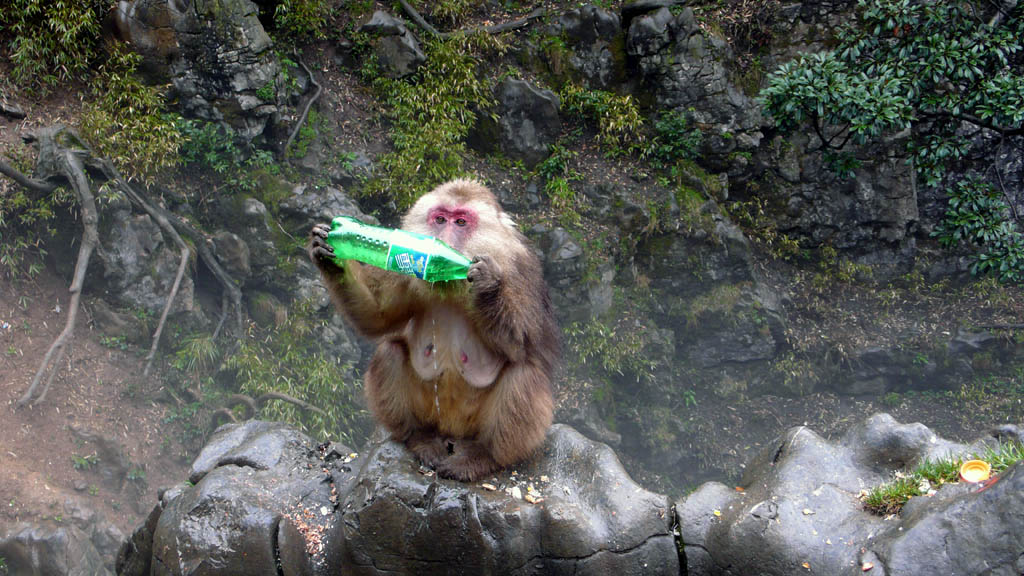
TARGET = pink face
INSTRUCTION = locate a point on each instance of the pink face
(454, 226)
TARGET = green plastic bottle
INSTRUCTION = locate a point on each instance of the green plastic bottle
(424, 257)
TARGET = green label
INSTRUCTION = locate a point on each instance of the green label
(408, 261)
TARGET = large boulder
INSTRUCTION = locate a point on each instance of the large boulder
(797, 510)
(265, 500)
(525, 124)
(871, 217)
(216, 54)
(687, 68)
(398, 51)
(135, 265)
(80, 543)
(595, 39)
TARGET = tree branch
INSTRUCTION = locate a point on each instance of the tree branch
(305, 109)
(25, 181)
(495, 29)
(972, 119)
(70, 166)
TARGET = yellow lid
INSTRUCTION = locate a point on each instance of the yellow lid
(975, 471)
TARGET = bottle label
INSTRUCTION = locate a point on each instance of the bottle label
(408, 261)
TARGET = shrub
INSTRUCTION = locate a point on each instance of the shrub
(126, 120)
(619, 123)
(302, 20)
(287, 360)
(26, 222)
(52, 41)
(557, 184)
(945, 73)
(978, 215)
(675, 139)
(431, 113)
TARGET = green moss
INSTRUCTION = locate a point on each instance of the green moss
(721, 300)
(270, 189)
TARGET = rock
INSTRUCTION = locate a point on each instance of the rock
(799, 503)
(593, 519)
(527, 123)
(354, 168)
(136, 554)
(112, 462)
(262, 493)
(215, 53)
(308, 206)
(267, 310)
(870, 218)
(634, 8)
(50, 550)
(265, 500)
(687, 69)
(134, 266)
(233, 253)
(255, 225)
(81, 543)
(564, 267)
(398, 51)
(595, 39)
(113, 323)
(9, 108)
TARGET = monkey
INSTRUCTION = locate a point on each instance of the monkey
(462, 369)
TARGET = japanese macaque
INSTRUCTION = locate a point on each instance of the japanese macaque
(462, 370)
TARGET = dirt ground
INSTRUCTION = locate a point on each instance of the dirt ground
(98, 392)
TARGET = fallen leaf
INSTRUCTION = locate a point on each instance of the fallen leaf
(717, 512)
(866, 566)
(808, 511)
(806, 565)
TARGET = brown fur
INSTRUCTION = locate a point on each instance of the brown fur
(470, 431)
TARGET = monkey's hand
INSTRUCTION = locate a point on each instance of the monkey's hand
(484, 275)
(320, 252)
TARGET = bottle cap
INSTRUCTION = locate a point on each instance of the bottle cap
(975, 471)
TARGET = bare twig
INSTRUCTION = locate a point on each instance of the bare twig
(114, 175)
(1000, 327)
(253, 405)
(167, 308)
(262, 400)
(305, 109)
(419, 20)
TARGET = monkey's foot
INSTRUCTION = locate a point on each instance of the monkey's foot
(470, 462)
(429, 448)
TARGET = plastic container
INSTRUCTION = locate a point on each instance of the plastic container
(975, 471)
(424, 257)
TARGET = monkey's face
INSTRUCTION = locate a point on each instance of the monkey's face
(467, 217)
(454, 225)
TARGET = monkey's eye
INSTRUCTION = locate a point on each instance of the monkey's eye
(460, 222)
(439, 220)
